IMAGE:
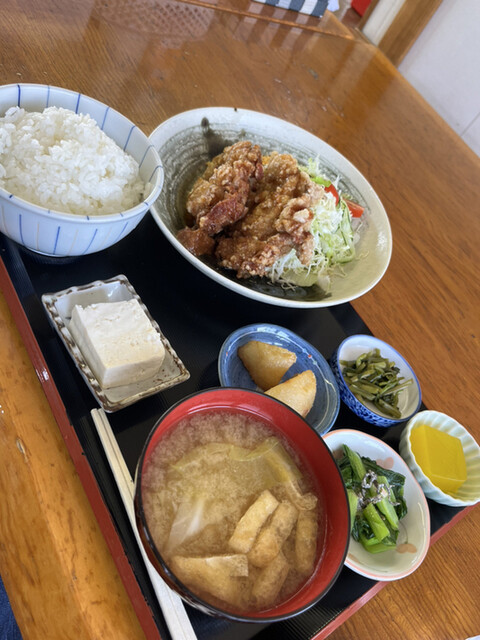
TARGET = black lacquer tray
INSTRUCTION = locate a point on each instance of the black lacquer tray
(196, 315)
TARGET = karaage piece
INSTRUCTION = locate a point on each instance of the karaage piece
(197, 241)
(266, 363)
(279, 219)
(219, 197)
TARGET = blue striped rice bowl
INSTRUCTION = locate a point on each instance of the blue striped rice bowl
(51, 233)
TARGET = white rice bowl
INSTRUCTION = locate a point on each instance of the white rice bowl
(63, 161)
(103, 168)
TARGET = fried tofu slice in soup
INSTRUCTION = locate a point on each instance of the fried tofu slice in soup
(306, 541)
(266, 363)
(252, 521)
(273, 535)
(220, 576)
(269, 582)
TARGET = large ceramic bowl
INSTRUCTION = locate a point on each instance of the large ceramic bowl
(188, 140)
(409, 399)
(414, 536)
(289, 425)
(469, 492)
(57, 234)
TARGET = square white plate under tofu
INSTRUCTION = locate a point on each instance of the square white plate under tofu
(59, 307)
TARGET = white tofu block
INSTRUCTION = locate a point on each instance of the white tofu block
(118, 341)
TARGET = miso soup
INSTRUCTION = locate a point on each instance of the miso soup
(233, 511)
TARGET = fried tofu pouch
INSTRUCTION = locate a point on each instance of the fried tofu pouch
(270, 540)
(298, 392)
(220, 576)
(270, 580)
(266, 363)
(252, 521)
(306, 541)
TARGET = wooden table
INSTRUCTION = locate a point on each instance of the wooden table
(150, 60)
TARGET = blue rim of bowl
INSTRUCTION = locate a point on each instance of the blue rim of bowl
(328, 420)
(346, 389)
(158, 172)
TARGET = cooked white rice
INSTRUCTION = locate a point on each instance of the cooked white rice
(63, 161)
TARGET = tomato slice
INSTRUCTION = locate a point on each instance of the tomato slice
(331, 189)
(355, 209)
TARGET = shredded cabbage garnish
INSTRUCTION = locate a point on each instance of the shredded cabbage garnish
(334, 242)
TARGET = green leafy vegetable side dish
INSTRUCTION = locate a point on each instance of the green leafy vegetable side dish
(375, 378)
(376, 501)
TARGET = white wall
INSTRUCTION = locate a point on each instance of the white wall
(444, 63)
(444, 66)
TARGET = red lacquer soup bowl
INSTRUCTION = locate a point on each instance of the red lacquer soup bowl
(317, 463)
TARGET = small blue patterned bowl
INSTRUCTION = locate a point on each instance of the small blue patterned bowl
(232, 372)
(409, 398)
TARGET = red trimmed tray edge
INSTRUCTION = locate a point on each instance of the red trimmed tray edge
(93, 493)
(92, 490)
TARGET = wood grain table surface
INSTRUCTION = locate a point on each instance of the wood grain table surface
(151, 59)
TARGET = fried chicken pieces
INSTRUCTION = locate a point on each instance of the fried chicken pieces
(248, 211)
(219, 197)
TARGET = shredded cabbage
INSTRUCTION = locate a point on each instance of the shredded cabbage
(334, 242)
